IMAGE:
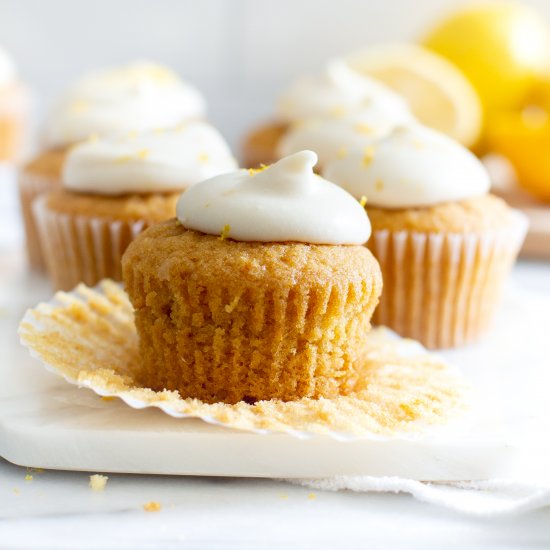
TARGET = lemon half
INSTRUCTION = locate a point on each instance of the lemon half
(436, 91)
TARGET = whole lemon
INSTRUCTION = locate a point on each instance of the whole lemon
(503, 48)
(523, 136)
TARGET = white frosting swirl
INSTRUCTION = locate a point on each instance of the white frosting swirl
(337, 92)
(8, 73)
(140, 96)
(333, 138)
(412, 167)
(284, 202)
(157, 161)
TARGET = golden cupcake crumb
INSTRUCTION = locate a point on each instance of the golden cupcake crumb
(152, 506)
(98, 482)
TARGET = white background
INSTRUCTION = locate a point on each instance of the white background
(240, 53)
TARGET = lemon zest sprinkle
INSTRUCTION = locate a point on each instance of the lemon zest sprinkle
(225, 232)
(379, 185)
(342, 153)
(363, 201)
(368, 156)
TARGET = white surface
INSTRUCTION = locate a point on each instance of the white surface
(58, 510)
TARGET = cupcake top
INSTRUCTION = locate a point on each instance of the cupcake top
(8, 73)
(140, 96)
(333, 138)
(337, 92)
(412, 167)
(284, 202)
(149, 162)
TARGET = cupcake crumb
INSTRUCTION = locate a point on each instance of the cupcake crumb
(311, 496)
(152, 506)
(98, 482)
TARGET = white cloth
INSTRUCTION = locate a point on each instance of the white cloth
(489, 498)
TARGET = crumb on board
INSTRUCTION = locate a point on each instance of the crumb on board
(98, 482)
(311, 496)
(152, 506)
(28, 477)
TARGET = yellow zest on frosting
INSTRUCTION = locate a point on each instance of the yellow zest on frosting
(342, 153)
(363, 128)
(142, 154)
(363, 200)
(92, 138)
(79, 106)
(253, 171)
(368, 157)
(379, 185)
(225, 232)
(337, 111)
(203, 157)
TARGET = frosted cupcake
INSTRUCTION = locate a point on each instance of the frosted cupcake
(137, 97)
(444, 244)
(113, 188)
(14, 105)
(337, 93)
(260, 289)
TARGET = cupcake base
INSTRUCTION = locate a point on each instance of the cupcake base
(443, 288)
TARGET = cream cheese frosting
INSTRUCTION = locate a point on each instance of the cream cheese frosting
(140, 96)
(284, 202)
(8, 73)
(336, 92)
(412, 167)
(333, 138)
(155, 161)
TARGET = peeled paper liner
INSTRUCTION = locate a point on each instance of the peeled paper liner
(88, 337)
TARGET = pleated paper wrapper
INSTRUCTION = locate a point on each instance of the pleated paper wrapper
(80, 248)
(442, 289)
(88, 337)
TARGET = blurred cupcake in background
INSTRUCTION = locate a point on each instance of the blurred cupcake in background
(113, 188)
(134, 98)
(328, 100)
(445, 245)
(14, 106)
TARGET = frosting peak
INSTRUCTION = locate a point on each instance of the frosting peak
(140, 96)
(412, 167)
(156, 161)
(284, 202)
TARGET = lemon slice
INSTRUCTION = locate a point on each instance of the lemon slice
(437, 92)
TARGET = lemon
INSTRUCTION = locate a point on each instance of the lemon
(436, 91)
(502, 47)
(523, 137)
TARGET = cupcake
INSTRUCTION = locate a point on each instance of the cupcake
(337, 93)
(14, 104)
(444, 244)
(134, 98)
(115, 187)
(259, 289)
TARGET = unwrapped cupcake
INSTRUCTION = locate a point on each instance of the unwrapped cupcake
(138, 97)
(14, 106)
(445, 245)
(316, 112)
(115, 187)
(260, 289)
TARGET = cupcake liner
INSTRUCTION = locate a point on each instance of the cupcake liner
(32, 186)
(88, 337)
(79, 248)
(442, 289)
